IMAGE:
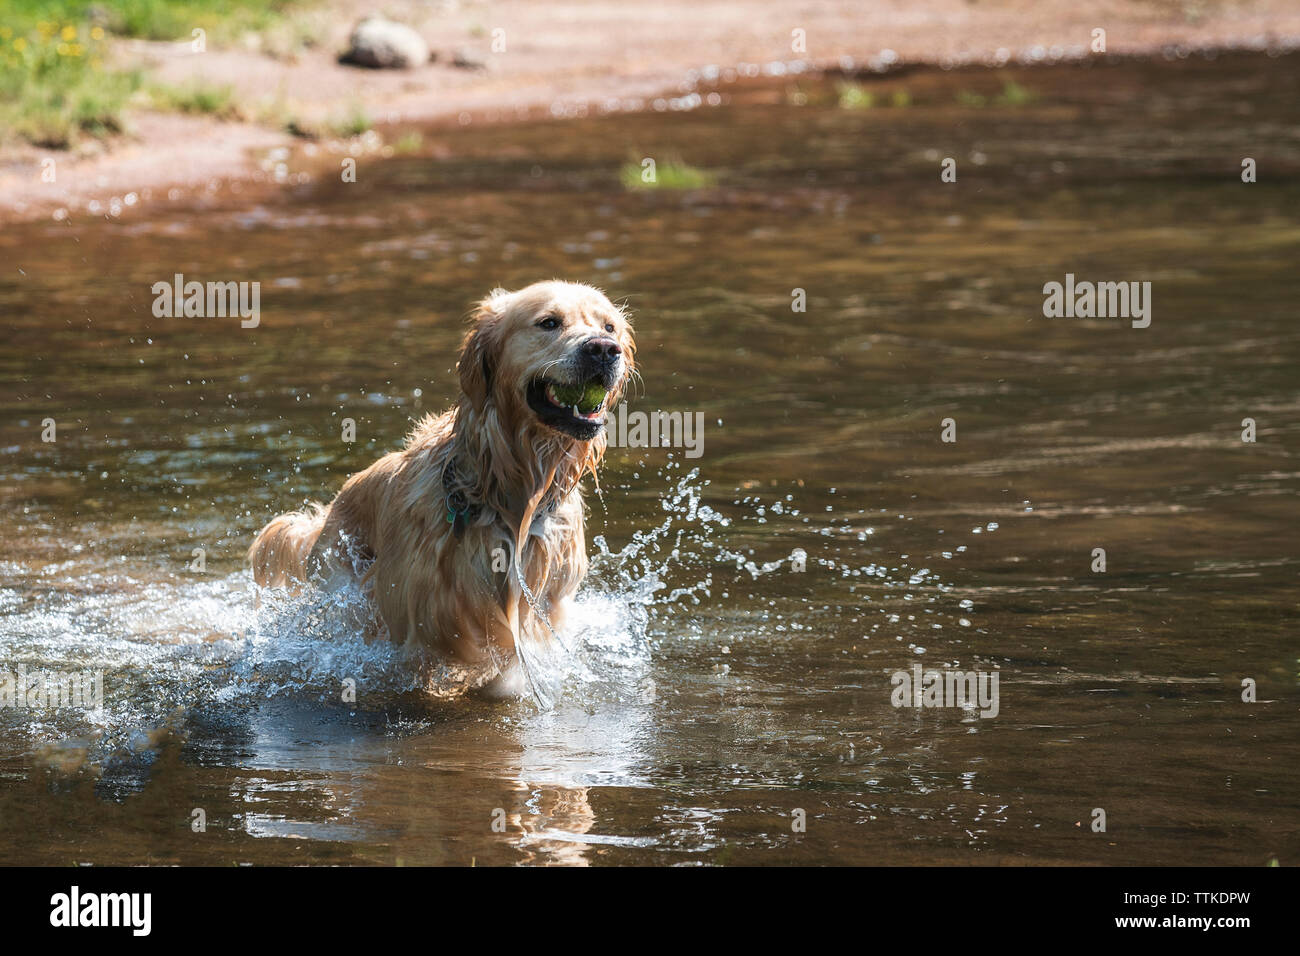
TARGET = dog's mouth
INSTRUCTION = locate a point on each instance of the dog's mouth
(575, 410)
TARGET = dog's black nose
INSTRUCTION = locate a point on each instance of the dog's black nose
(604, 351)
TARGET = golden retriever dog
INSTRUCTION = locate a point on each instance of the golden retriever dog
(469, 541)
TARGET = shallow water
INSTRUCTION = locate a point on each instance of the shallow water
(715, 693)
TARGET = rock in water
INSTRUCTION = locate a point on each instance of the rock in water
(383, 44)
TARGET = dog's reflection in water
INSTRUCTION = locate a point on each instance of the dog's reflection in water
(549, 821)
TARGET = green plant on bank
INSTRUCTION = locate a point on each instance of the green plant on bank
(196, 97)
(222, 20)
(298, 32)
(56, 84)
(670, 174)
(1013, 94)
(352, 123)
(855, 96)
(408, 142)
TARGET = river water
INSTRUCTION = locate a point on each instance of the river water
(729, 695)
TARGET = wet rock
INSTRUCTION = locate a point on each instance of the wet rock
(384, 44)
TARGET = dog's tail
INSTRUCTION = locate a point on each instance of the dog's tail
(279, 552)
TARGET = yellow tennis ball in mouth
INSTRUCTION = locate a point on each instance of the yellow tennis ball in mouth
(586, 398)
(593, 396)
(567, 395)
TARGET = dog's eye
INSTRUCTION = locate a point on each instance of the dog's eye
(609, 326)
(548, 323)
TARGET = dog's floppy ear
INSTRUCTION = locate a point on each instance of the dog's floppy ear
(478, 351)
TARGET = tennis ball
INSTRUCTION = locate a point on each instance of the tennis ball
(587, 398)
(567, 395)
(593, 396)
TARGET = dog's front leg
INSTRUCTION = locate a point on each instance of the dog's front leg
(498, 638)
(508, 684)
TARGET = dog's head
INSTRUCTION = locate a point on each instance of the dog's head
(556, 354)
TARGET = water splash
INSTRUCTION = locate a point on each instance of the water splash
(171, 646)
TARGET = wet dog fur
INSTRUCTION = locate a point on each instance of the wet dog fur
(441, 532)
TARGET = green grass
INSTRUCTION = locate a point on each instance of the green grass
(1013, 94)
(409, 142)
(852, 96)
(196, 98)
(352, 123)
(345, 125)
(158, 19)
(55, 84)
(855, 96)
(669, 174)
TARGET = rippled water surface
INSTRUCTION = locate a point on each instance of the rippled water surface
(715, 690)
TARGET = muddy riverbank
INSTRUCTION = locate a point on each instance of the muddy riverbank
(572, 58)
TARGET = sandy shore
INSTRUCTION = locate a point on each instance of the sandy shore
(574, 55)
